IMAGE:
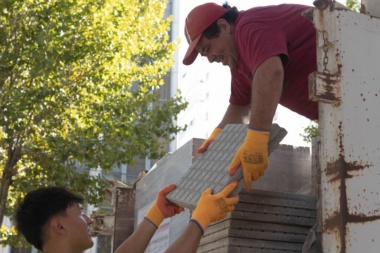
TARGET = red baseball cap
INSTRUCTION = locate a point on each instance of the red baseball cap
(197, 21)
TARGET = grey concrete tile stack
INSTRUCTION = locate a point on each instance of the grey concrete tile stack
(210, 169)
(274, 217)
(263, 221)
(289, 170)
(271, 218)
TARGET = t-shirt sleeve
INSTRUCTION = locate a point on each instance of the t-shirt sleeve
(240, 89)
(258, 43)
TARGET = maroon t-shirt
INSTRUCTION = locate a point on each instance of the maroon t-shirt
(263, 32)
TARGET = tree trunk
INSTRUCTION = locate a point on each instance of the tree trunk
(6, 178)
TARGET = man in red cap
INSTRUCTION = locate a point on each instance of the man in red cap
(270, 51)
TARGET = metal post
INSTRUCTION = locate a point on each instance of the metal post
(346, 85)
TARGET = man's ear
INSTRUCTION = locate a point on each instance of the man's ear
(224, 25)
(56, 225)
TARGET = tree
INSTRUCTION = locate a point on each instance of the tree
(310, 131)
(79, 84)
(353, 5)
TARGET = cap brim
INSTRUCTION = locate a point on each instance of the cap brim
(191, 53)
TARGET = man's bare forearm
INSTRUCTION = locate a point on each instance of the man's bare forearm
(235, 114)
(266, 93)
(139, 240)
(188, 242)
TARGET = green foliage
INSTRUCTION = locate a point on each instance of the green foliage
(10, 237)
(311, 131)
(79, 85)
(353, 5)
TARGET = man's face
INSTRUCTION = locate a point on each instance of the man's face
(221, 49)
(77, 224)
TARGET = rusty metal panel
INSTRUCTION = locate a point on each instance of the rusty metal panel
(347, 50)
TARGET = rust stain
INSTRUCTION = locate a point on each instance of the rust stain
(320, 4)
(362, 218)
(330, 83)
(340, 170)
(339, 65)
(354, 166)
(339, 219)
(321, 19)
(363, 9)
(334, 168)
(323, 4)
(341, 147)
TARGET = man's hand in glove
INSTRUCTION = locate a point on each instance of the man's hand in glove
(163, 208)
(214, 207)
(207, 142)
(252, 157)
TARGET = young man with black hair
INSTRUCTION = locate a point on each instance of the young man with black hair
(270, 50)
(52, 220)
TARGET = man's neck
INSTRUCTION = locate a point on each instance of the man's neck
(59, 247)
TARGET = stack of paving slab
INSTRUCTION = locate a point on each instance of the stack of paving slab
(271, 218)
(288, 173)
(210, 169)
(262, 222)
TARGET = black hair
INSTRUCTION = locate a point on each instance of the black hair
(230, 16)
(38, 207)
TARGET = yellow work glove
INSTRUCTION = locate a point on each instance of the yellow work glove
(207, 142)
(163, 208)
(211, 208)
(252, 157)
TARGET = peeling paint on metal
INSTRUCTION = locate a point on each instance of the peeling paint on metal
(325, 87)
(340, 171)
(323, 4)
(330, 88)
(340, 219)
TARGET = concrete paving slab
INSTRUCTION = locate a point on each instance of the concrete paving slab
(210, 169)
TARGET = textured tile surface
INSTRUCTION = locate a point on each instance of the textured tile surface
(289, 171)
(210, 169)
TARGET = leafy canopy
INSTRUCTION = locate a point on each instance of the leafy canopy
(80, 87)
